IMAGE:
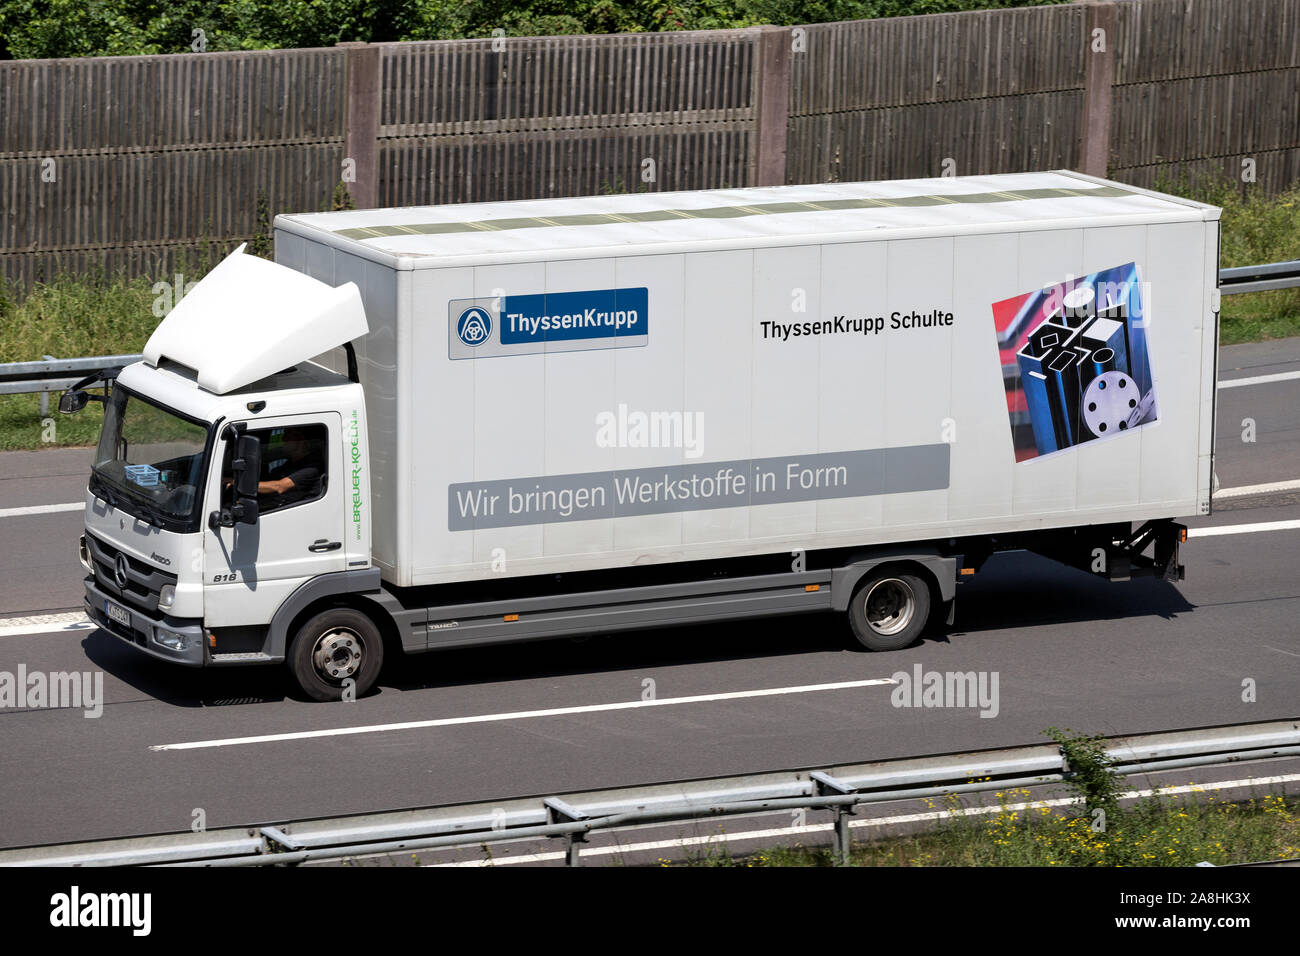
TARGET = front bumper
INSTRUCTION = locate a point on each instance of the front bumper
(141, 633)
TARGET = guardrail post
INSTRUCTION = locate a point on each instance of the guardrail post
(557, 811)
(45, 396)
(275, 841)
(841, 840)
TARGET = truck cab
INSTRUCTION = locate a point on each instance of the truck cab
(229, 475)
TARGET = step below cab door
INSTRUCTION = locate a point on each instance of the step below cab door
(249, 569)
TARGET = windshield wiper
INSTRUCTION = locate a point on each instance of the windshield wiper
(147, 512)
(150, 514)
(103, 490)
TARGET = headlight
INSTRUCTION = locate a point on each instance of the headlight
(167, 596)
(172, 640)
(83, 552)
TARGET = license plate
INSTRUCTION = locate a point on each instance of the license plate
(119, 614)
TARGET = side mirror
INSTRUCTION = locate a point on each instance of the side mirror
(75, 398)
(246, 466)
(73, 401)
(244, 510)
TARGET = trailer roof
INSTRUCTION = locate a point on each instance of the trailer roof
(644, 223)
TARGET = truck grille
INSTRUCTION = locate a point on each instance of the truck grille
(143, 581)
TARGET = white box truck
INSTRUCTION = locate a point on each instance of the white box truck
(435, 427)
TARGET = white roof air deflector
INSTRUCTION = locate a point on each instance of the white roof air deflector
(249, 318)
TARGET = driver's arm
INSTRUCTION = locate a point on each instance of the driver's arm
(264, 487)
(277, 487)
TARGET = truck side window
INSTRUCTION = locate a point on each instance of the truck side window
(294, 466)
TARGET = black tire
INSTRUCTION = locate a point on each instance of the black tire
(889, 610)
(333, 646)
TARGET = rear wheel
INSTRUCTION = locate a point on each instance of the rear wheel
(890, 610)
(334, 647)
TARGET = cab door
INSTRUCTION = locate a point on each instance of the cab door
(251, 568)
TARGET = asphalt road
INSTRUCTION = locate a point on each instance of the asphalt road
(1069, 651)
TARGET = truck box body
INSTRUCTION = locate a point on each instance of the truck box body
(568, 384)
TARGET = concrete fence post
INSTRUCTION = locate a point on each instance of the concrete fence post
(362, 76)
(771, 105)
(1098, 76)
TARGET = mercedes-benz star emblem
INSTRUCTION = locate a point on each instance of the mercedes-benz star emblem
(119, 572)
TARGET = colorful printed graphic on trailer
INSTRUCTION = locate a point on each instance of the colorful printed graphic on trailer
(1075, 364)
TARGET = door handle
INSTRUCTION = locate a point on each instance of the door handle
(320, 544)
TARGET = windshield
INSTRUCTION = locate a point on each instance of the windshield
(151, 460)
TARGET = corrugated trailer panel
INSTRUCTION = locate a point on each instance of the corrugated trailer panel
(989, 488)
(1112, 479)
(1179, 318)
(1209, 369)
(638, 383)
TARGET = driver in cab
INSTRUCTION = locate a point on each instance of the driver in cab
(296, 476)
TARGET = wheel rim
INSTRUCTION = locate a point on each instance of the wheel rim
(337, 654)
(889, 605)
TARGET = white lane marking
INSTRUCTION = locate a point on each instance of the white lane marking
(776, 832)
(44, 624)
(1244, 528)
(1263, 489)
(41, 509)
(519, 715)
(1259, 379)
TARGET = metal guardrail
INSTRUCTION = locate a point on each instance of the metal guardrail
(55, 375)
(571, 817)
(1274, 275)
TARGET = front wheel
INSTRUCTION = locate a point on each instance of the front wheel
(890, 610)
(335, 647)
